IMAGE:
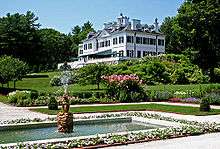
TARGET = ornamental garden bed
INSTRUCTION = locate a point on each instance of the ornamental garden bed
(175, 128)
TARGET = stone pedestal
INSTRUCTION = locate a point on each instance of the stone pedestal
(65, 122)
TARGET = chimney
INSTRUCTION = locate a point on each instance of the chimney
(135, 24)
(156, 25)
(123, 20)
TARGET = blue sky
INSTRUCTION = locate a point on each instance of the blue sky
(62, 15)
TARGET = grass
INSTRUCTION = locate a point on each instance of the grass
(186, 110)
(43, 85)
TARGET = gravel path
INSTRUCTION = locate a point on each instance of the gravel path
(8, 112)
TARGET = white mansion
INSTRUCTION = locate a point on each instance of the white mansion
(119, 41)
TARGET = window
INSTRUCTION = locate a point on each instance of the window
(145, 40)
(90, 46)
(81, 52)
(121, 39)
(130, 53)
(85, 46)
(121, 53)
(145, 53)
(160, 42)
(130, 39)
(139, 40)
(152, 41)
(106, 43)
(138, 54)
(101, 44)
(115, 41)
(127, 53)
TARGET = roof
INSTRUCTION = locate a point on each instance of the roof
(117, 27)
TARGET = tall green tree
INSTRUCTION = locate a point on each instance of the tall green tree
(18, 35)
(55, 48)
(176, 40)
(200, 20)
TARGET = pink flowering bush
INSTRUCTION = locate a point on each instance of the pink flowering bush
(125, 88)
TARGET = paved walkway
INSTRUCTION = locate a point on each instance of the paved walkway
(8, 112)
(207, 141)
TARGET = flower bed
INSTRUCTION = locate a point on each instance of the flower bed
(185, 100)
(125, 88)
(189, 128)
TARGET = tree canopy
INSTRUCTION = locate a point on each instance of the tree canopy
(195, 30)
(18, 35)
(12, 69)
(42, 49)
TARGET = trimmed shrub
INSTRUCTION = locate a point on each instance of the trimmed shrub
(205, 105)
(52, 103)
(214, 97)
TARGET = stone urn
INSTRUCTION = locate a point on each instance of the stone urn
(65, 122)
(65, 118)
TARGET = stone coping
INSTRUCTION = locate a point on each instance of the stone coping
(161, 123)
(54, 123)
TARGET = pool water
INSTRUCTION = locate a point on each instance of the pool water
(32, 134)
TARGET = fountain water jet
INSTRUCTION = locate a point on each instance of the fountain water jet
(65, 118)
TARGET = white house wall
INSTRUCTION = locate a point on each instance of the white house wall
(119, 47)
(124, 46)
(146, 47)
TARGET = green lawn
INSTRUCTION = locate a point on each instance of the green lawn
(42, 85)
(135, 107)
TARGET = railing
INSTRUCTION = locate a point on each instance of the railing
(79, 64)
(102, 60)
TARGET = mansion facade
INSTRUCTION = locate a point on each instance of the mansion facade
(121, 40)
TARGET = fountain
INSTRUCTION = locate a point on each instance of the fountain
(65, 118)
